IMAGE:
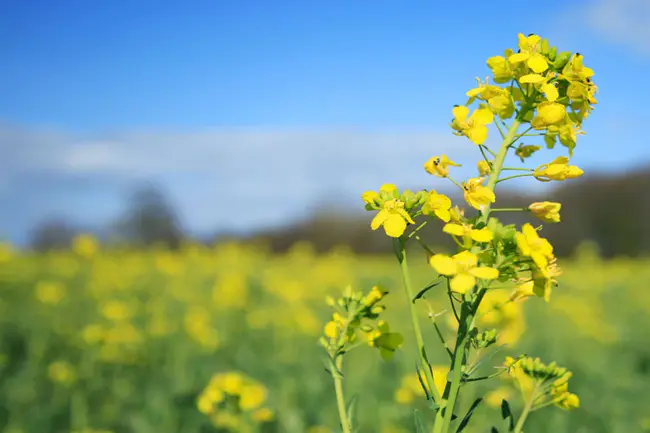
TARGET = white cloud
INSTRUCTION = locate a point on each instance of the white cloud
(622, 21)
(272, 174)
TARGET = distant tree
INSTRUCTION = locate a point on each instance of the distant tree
(51, 234)
(151, 219)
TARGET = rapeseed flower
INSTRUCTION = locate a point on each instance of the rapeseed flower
(558, 170)
(547, 211)
(467, 231)
(393, 217)
(463, 269)
(473, 127)
(437, 204)
(477, 195)
(531, 245)
(439, 165)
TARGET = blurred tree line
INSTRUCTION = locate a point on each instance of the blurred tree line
(609, 210)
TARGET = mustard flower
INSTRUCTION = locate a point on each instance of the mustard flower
(559, 169)
(548, 113)
(439, 165)
(464, 270)
(533, 246)
(477, 195)
(457, 214)
(545, 278)
(473, 127)
(483, 167)
(393, 218)
(501, 69)
(437, 204)
(547, 211)
(528, 52)
(469, 232)
(576, 70)
(499, 100)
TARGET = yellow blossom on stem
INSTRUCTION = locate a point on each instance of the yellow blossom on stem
(548, 113)
(483, 167)
(437, 204)
(473, 127)
(547, 211)
(533, 246)
(469, 232)
(559, 169)
(477, 195)
(464, 270)
(393, 218)
(545, 278)
(439, 165)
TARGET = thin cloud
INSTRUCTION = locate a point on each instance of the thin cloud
(622, 21)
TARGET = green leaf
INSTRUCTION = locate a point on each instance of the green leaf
(494, 430)
(469, 414)
(425, 290)
(420, 425)
(506, 414)
(352, 409)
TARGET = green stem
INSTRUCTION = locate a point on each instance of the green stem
(514, 177)
(510, 209)
(400, 252)
(498, 163)
(340, 399)
(455, 182)
(466, 317)
(526, 411)
(518, 169)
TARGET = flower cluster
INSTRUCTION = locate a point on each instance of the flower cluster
(357, 316)
(234, 401)
(536, 91)
(542, 384)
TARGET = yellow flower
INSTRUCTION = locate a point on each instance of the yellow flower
(559, 169)
(370, 197)
(528, 52)
(544, 279)
(523, 291)
(376, 294)
(49, 292)
(230, 382)
(457, 214)
(85, 245)
(483, 168)
(437, 204)
(393, 217)
(499, 100)
(252, 396)
(575, 70)
(464, 270)
(439, 165)
(547, 211)
(502, 71)
(469, 232)
(473, 127)
(477, 195)
(548, 113)
(531, 245)
(569, 401)
(263, 414)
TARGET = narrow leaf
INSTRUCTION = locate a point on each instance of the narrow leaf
(420, 426)
(470, 412)
(506, 414)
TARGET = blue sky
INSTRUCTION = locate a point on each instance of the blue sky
(274, 106)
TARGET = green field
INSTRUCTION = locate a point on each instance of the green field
(126, 341)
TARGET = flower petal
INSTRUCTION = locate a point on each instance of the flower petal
(531, 78)
(462, 283)
(482, 235)
(460, 113)
(443, 264)
(484, 273)
(379, 219)
(454, 229)
(394, 225)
